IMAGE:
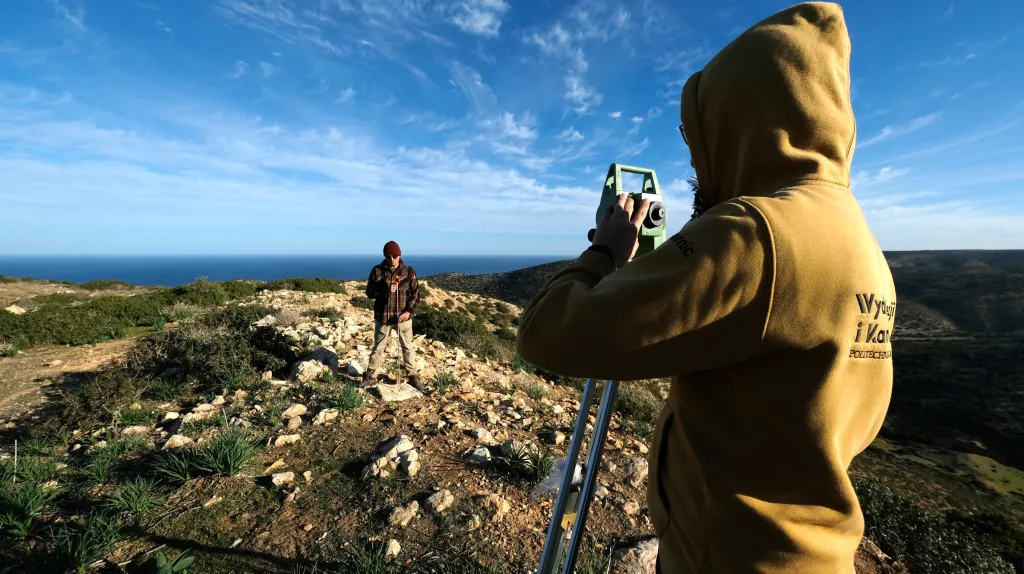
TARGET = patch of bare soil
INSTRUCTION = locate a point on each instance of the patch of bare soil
(19, 292)
(26, 378)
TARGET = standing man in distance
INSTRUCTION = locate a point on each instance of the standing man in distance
(393, 287)
(771, 312)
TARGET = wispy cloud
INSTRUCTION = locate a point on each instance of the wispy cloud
(346, 95)
(570, 134)
(160, 24)
(519, 130)
(267, 68)
(949, 12)
(430, 122)
(70, 11)
(566, 41)
(635, 149)
(278, 19)
(481, 17)
(472, 85)
(637, 122)
(615, 115)
(949, 61)
(865, 178)
(239, 71)
(891, 131)
(243, 169)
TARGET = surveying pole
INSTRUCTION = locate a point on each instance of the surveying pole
(572, 505)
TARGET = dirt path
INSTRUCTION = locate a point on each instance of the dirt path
(24, 378)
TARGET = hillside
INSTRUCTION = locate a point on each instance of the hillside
(941, 293)
(954, 434)
(231, 425)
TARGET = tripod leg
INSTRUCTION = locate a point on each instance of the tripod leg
(548, 563)
(604, 418)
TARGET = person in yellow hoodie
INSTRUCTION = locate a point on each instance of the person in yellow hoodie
(771, 310)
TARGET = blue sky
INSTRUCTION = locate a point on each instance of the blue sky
(456, 127)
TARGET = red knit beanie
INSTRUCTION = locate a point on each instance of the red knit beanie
(391, 249)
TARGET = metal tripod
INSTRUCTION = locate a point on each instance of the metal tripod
(573, 502)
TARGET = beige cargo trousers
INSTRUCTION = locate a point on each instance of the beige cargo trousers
(381, 335)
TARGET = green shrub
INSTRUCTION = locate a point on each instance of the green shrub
(638, 401)
(444, 380)
(179, 311)
(924, 541)
(136, 417)
(311, 285)
(242, 288)
(105, 461)
(226, 454)
(134, 498)
(201, 292)
(76, 323)
(349, 398)
(215, 351)
(997, 531)
(329, 314)
(454, 328)
(158, 323)
(76, 546)
(90, 405)
(105, 284)
(22, 501)
(521, 364)
(523, 461)
(362, 302)
(175, 465)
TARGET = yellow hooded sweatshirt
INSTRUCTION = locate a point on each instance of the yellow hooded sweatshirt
(771, 312)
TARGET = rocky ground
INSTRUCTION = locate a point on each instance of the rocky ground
(445, 481)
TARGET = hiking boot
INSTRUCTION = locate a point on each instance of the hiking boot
(417, 383)
(367, 379)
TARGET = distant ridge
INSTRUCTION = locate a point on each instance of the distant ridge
(516, 287)
(940, 293)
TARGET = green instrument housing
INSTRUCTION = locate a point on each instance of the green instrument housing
(653, 230)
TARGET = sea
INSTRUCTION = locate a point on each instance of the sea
(172, 270)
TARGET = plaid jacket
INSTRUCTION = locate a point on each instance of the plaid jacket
(394, 291)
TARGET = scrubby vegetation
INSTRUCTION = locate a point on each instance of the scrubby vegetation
(64, 509)
(454, 328)
(218, 350)
(931, 542)
(73, 319)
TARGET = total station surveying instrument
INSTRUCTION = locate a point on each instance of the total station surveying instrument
(576, 489)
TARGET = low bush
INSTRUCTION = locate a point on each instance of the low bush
(216, 351)
(639, 401)
(104, 285)
(453, 328)
(329, 314)
(311, 285)
(77, 545)
(134, 498)
(225, 455)
(362, 302)
(22, 501)
(922, 540)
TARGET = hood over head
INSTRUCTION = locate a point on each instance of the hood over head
(773, 106)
